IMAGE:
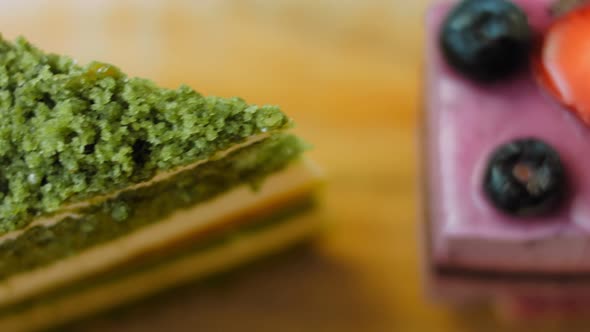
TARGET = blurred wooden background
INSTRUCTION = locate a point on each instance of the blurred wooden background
(347, 72)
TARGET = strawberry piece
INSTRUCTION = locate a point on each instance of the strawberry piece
(562, 65)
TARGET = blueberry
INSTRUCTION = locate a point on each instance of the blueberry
(486, 40)
(525, 177)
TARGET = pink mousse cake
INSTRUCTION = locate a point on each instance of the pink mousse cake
(475, 246)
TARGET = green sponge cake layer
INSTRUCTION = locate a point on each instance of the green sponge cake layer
(134, 209)
(70, 132)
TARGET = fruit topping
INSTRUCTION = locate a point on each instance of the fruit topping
(486, 40)
(562, 65)
(525, 177)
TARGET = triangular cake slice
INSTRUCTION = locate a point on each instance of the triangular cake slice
(108, 180)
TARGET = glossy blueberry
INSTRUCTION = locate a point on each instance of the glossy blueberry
(525, 177)
(486, 40)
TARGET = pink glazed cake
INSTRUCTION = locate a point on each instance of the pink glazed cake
(478, 248)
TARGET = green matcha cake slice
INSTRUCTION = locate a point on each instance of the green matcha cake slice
(101, 174)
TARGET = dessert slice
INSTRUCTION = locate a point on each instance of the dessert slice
(112, 188)
(508, 209)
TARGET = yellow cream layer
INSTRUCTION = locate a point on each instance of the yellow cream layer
(139, 285)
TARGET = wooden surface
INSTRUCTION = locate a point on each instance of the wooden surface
(347, 72)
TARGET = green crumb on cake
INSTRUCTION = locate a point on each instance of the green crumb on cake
(134, 209)
(70, 132)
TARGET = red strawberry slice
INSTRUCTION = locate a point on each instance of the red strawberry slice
(562, 65)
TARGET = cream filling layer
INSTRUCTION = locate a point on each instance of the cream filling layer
(296, 180)
(70, 210)
(139, 285)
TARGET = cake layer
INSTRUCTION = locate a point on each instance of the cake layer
(69, 133)
(465, 123)
(220, 253)
(279, 188)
